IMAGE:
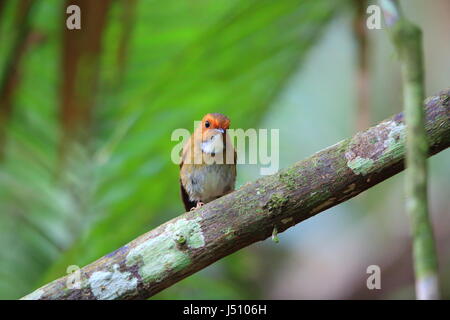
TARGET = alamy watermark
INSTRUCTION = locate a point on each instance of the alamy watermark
(374, 280)
(374, 19)
(74, 20)
(253, 146)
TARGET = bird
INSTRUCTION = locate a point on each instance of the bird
(208, 163)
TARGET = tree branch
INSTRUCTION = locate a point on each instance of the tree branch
(407, 38)
(194, 240)
(362, 72)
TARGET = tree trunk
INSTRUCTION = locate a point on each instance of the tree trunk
(80, 70)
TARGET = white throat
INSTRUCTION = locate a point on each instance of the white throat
(213, 145)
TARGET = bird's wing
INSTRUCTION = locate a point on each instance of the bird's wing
(188, 204)
(186, 152)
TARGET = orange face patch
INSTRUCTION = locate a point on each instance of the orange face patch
(216, 121)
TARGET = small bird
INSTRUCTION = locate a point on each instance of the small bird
(208, 163)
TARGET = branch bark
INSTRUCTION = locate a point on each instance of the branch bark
(194, 240)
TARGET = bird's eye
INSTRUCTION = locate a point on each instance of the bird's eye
(207, 124)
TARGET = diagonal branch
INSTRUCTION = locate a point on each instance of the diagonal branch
(192, 241)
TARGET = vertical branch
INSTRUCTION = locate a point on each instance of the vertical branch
(10, 77)
(80, 70)
(362, 76)
(408, 41)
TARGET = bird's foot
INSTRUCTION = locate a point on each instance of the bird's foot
(199, 204)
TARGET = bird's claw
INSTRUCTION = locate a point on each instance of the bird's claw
(199, 204)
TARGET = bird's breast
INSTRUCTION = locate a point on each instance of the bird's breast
(208, 182)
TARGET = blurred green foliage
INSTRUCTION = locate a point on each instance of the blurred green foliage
(183, 59)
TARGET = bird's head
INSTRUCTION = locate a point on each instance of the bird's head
(215, 121)
(213, 128)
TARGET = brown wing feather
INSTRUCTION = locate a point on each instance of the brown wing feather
(188, 204)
